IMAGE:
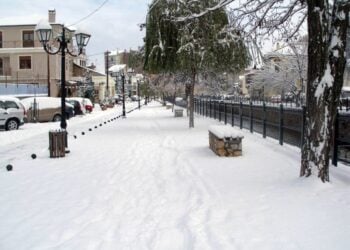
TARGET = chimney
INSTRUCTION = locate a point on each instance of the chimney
(52, 16)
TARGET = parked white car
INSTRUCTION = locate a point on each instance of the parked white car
(12, 113)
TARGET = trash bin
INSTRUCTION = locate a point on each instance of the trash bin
(57, 143)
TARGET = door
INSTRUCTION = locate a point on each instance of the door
(3, 114)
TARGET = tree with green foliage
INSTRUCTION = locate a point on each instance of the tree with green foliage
(191, 46)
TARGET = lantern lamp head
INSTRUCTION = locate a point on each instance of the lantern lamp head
(44, 31)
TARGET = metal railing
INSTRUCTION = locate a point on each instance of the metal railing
(284, 123)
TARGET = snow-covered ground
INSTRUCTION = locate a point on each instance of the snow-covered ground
(149, 182)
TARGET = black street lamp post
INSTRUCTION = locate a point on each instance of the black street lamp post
(119, 74)
(123, 82)
(44, 33)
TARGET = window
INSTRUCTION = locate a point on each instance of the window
(28, 38)
(0, 39)
(1, 67)
(10, 105)
(2, 105)
(25, 62)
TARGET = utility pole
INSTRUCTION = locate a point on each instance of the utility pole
(107, 67)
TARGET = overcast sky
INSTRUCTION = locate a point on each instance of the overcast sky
(113, 27)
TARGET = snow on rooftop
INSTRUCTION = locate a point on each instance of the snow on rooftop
(114, 53)
(43, 24)
(117, 68)
(24, 20)
(21, 20)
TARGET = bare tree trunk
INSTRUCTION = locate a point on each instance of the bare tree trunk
(191, 120)
(326, 64)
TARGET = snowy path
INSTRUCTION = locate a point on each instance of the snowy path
(148, 182)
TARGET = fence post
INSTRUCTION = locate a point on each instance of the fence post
(281, 124)
(206, 107)
(232, 114)
(251, 116)
(198, 103)
(264, 121)
(195, 105)
(240, 115)
(335, 141)
(214, 110)
(219, 111)
(210, 108)
(303, 120)
(225, 111)
(202, 107)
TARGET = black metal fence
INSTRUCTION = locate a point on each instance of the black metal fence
(284, 123)
(342, 139)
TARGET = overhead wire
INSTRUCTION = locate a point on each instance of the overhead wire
(86, 17)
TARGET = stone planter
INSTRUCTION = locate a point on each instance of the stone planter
(224, 141)
(179, 112)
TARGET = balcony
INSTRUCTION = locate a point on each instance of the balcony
(19, 44)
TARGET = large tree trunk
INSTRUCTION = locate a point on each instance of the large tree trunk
(326, 65)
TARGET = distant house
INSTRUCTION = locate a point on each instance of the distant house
(95, 81)
(26, 67)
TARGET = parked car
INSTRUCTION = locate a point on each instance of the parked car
(134, 98)
(179, 101)
(78, 109)
(117, 99)
(69, 110)
(46, 109)
(85, 103)
(12, 113)
(89, 107)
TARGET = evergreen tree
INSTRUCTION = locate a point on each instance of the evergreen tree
(192, 46)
